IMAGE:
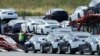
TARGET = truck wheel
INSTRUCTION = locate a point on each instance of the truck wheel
(81, 50)
(26, 49)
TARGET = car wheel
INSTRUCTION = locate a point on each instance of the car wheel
(98, 50)
(26, 49)
(81, 50)
(34, 30)
(59, 50)
(90, 50)
(42, 49)
(33, 48)
(52, 50)
(70, 50)
(42, 32)
(29, 29)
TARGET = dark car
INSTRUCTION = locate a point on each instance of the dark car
(56, 14)
(16, 28)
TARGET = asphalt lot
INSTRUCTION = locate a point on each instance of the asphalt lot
(38, 54)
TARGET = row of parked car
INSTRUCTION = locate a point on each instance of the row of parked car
(40, 26)
(63, 40)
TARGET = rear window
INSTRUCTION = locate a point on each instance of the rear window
(82, 36)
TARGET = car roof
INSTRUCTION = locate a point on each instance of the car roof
(80, 33)
(67, 29)
(58, 33)
(7, 9)
(49, 12)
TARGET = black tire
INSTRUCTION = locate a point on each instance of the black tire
(34, 30)
(52, 50)
(98, 50)
(33, 49)
(26, 49)
(42, 32)
(42, 49)
(29, 29)
(70, 50)
(91, 52)
(59, 50)
(81, 50)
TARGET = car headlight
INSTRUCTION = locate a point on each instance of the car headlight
(27, 42)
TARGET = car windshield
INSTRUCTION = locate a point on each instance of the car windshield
(52, 22)
(53, 37)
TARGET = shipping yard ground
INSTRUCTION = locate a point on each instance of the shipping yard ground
(38, 54)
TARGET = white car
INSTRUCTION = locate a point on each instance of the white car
(64, 24)
(34, 43)
(45, 26)
(93, 3)
(79, 12)
(54, 39)
(90, 45)
(8, 14)
(31, 24)
(74, 39)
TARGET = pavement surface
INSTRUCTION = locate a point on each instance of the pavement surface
(38, 54)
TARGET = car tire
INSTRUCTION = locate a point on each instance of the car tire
(98, 50)
(33, 49)
(81, 50)
(34, 30)
(91, 52)
(42, 49)
(42, 32)
(52, 50)
(26, 49)
(70, 50)
(59, 50)
(29, 29)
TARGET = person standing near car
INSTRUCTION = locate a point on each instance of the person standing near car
(22, 38)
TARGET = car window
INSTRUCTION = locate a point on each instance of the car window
(52, 22)
(79, 36)
(41, 23)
